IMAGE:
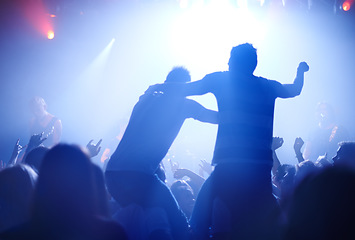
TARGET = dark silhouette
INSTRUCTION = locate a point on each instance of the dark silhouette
(17, 185)
(240, 185)
(323, 207)
(194, 180)
(35, 157)
(154, 124)
(184, 195)
(66, 202)
(345, 155)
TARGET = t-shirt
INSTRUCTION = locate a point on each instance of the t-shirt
(246, 114)
(154, 124)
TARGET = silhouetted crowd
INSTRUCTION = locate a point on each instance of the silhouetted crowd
(53, 190)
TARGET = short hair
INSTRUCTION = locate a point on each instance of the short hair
(178, 74)
(65, 178)
(243, 58)
(37, 100)
(328, 107)
(179, 185)
(35, 157)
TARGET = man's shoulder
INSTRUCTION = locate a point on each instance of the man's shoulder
(267, 82)
(217, 75)
(215, 80)
(264, 80)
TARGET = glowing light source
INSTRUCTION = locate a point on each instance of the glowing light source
(347, 5)
(50, 34)
(183, 3)
(214, 28)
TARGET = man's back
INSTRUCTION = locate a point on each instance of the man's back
(154, 124)
(246, 108)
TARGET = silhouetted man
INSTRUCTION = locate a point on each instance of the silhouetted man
(154, 124)
(236, 201)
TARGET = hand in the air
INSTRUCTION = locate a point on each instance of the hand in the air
(303, 67)
(94, 149)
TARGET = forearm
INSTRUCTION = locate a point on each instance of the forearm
(197, 179)
(299, 157)
(195, 88)
(294, 89)
(298, 83)
(209, 116)
(276, 163)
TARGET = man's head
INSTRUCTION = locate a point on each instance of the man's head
(183, 194)
(243, 59)
(38, 106)
(325, 114)
(178, 74)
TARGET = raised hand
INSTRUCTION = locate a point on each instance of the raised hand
(17, 149)
(94, 149)
(205, 166)
(303, 67)
(298, 144)
(297, 147)
(277, 142)
(174, 165)
(35, 141)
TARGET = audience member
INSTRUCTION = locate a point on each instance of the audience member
(194, 180)
(345, 154)
(16, 189)
(323, 206)
(35, 157)
(241, 180)
(184, 195)
(65, 203)
(154, 124)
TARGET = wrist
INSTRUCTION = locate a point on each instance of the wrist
(298, 152)
(300, 73)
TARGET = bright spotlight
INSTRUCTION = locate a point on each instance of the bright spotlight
(183, 3)
(214, 28)
(50, 34)
(347, 5)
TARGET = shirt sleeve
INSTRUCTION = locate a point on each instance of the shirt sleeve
(282, 90)
(205, 85)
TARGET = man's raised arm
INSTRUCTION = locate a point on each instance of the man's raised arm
(294, 89)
